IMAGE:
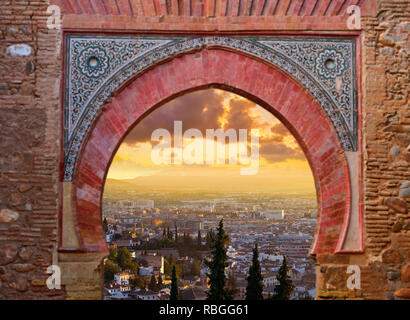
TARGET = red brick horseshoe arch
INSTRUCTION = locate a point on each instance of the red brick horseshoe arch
(235, 72)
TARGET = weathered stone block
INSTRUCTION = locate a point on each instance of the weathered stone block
(405, 273)
(8, 216)
(392, 256)
(21, 284)
(25, 253)
(8, 253)
(24, 187)
(403, 293)
(19, 50)
(397, 226)
(393, 275)
(404, 193)
(23, 267)
(395, 150)
(396, 204)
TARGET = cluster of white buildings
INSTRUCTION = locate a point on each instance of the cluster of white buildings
(117, 292)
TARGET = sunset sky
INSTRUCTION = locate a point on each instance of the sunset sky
(281, 160)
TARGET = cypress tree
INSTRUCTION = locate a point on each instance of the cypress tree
(284, 289)
(255, 279)
(217, 278)
(174, 285)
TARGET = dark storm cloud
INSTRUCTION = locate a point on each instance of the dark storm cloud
(239, 114)
(189, 109)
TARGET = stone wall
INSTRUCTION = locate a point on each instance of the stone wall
(29, 149)
(385, 268)
(30, 126)
(386, 133)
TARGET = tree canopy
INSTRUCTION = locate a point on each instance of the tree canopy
(255, 280)
(284, 289)
(217, 278)
(174, 286)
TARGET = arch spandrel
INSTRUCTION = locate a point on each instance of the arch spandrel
(97, 66)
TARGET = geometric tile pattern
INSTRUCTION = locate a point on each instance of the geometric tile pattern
(96, 66)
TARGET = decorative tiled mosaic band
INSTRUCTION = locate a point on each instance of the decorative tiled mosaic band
(96, 66)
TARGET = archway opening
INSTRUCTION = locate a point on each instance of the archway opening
(162, 199)
(280, 94)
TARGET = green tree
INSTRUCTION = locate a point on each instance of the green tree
(138, 282)
(174, 285)
(113, 255)
(110, 268)
(284, 289)
(134, 267)
(124, 258)
(105, 224)
(153, 284)
(217, 278)
(255, 279)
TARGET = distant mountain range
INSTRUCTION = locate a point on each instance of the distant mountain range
(236, 184)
